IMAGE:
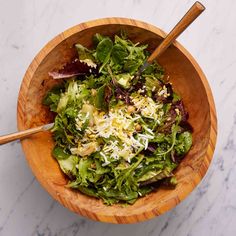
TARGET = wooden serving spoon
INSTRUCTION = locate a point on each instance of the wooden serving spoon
(196, 9)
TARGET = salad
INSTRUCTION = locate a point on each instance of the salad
(118, 136)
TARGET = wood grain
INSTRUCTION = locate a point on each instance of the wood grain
(188, 80)
(196, 9)
(23, 134)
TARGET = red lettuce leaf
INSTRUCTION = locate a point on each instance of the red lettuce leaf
(73, 68)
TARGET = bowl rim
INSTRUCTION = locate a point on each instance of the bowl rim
(132, 218)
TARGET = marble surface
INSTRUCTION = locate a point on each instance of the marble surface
(25, 26)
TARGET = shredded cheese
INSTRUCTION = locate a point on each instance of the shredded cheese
(120, 125)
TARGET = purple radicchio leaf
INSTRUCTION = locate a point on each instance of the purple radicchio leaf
(151, 147)
(73, 68)
(166, 128)
(122, 94)
(180, 106)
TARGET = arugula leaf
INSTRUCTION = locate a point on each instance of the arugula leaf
(149, 175)
(103, 51)
(154, 176)
(52, 98)
(119, 195)
(119, 53)
(102, 98)
(99, 99)
(88, 191)
(71, 112)
(131, 66)
(127, 173)
(183, 143)
(100, 170)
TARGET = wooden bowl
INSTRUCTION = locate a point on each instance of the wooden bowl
(188, 80)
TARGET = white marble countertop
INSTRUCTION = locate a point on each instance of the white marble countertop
(25, 26)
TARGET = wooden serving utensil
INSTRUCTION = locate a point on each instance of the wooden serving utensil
(196, 9)
(24, 133)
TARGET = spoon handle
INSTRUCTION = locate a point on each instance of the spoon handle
(196, 9)
(23, 134)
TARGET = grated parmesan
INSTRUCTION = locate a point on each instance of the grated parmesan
(120, 124)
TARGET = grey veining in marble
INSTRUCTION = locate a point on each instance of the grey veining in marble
(25, 27)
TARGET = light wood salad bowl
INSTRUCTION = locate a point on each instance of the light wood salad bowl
(188, 80)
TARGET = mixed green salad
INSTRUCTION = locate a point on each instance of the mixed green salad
(117, 135)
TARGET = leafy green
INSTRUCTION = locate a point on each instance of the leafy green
(85, 173)
(103, 51)
(97, 38)
(119, 54)
(100, 98)
(68, 165)
(88, 191)
(115, 136)
(183, 143)
(124, 80)
(152, 84)
(131, 66)
(52, 98)
(59, 153)
(83, 52)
